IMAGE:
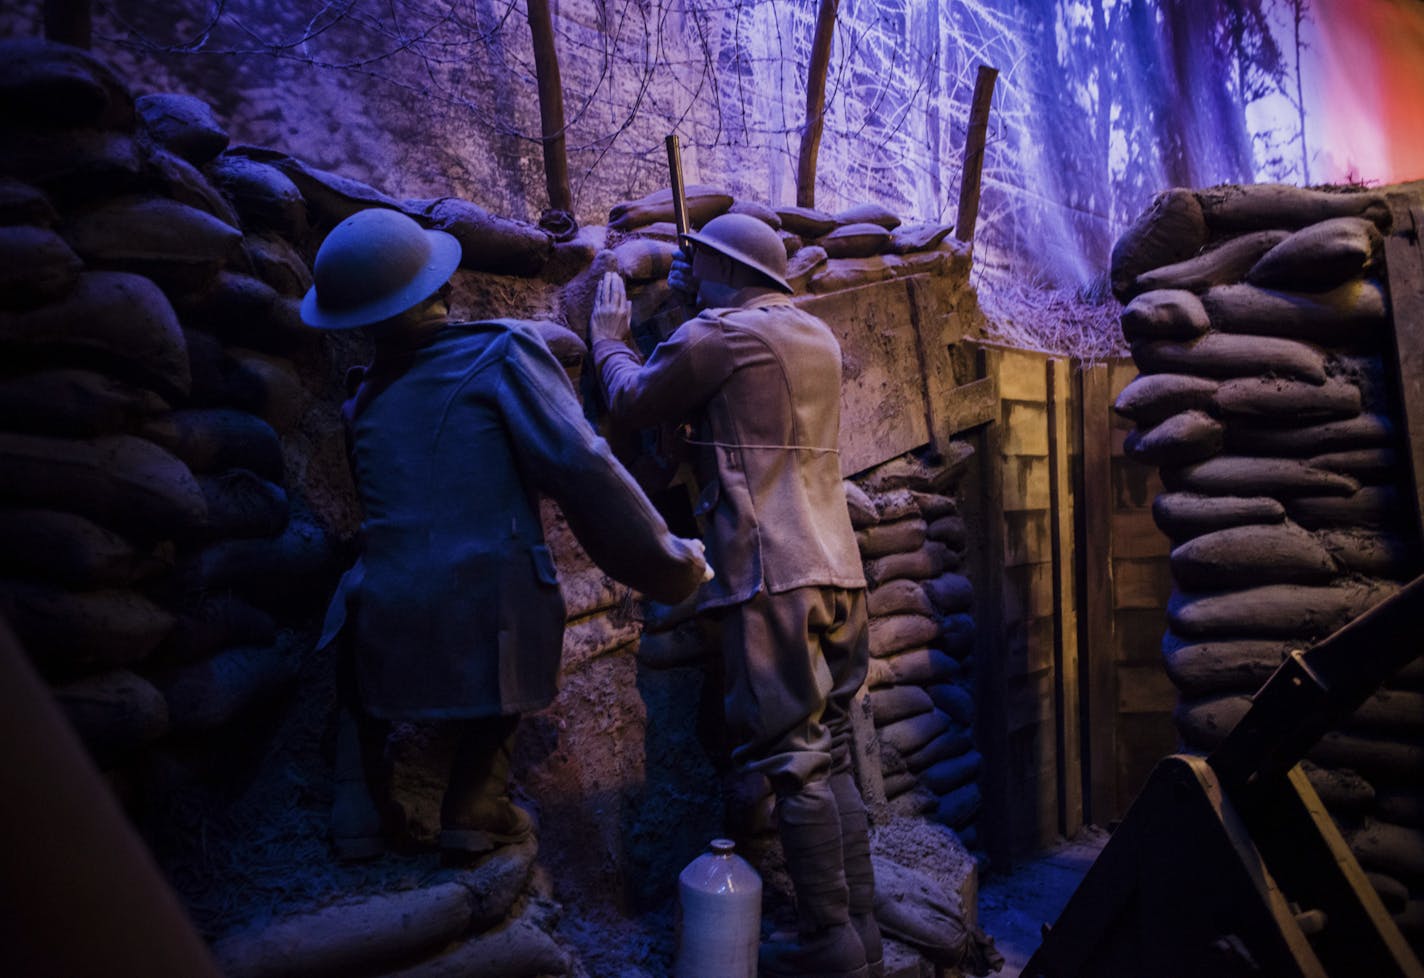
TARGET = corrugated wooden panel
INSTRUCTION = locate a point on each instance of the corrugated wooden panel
(1025, 428)
(1143, 687)
(1144, 584)
(1026, 483)
(1135, 534)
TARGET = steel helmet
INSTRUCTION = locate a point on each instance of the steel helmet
(374, 265)
(747, 240)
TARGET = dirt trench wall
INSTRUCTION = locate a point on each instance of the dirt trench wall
(1260, 319)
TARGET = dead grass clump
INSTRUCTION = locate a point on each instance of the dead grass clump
(1027, 314)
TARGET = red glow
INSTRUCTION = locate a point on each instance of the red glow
(1369, 100)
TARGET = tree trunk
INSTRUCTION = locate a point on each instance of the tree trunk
(551, 107)
(815, 103)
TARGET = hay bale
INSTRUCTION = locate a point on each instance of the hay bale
(900, 536)
(894, 703)
(264, 196)
(1150, 399)
(1182, 515)
(488, 243)
(1225, 355)
(1164, 314)
(1226, 262)
(68, 550)
(44, 85)
(114, 713)
(1242, 475)
(1348, 315)
(124, 483)
(855, 241)
(1280, 400)
(1274, 610)
(1244, 556)
(806, 221)
(1179, 440)
(36, 265)
(1368, 430)
(73, 629)
(1320, 257)
(869, 213)
(1252, 208)
(183, 125)
(116, 319)
(1228, 665)
(77, 403)
(1172, 229)
(703, 203)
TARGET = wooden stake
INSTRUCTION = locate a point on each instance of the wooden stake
(551, 107)
(974, 153)
(815, 103)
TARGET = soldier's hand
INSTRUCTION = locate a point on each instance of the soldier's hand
(700, 549)
(680, 277)
(612, 312)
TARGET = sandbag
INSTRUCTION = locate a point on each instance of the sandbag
(1372, 553)
(212, 622)
(1164, 314)
(1226, 355)
(896, 504)
(934, 505)
(951, 593)
(1365, 431)
(757, 210)
(1179, 440)
(862, 510)
(1280, 400)
(896, 633)
(951, 531)
(928, 561)
(1373, 507)
(1227, 665)
(264, 196)
(1348, 315)
(278, 264)
(70, 551)
(959, 807)
(917, 238)
(957, 635)
(247, 312)
(242, 505)
(901, 536)
(1340, 790)
(78, 403)
(792, 243)
(204, 696)
(869, 213)
(1205, 723)
(566, 345)
(1150, 399)
(920, 263)
(76, 629)
(912, 733)
(271, 571)
(914, 908)
(1251, 208)
(264, 385)
(806, 221)
(1319, 257)
(1172, 229)
(84, 164)
(1390, 759)
(946, 776)
(956, 701)
(1244, 556)
(1274, 610)
(1368, 465)
(36, 265)
(214, 439)
(175, 177)
(180, 247)
(21, 203)
(182, 124)
(645, 259)
(899, 597)
(124, 483)
(703, 203)
(1243, 475)
(916, 667)
(1184, 514)
(1391, 711)
(847, 273)
(112, 318)
(488, 243)
(952, 743)
(1402, 805)
(1395, 849)
(855, 241)
(1228, 261)
(114, 713)
(895, 703)
(44, 85)
(803, 265)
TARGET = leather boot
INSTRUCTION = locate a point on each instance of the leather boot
(826, 945)
(357, 828)
(860, 875)
(476, 814)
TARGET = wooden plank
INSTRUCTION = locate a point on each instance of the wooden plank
(974, 138)
(1404, 262)
(1065, 603)
(1141, 584)
(1021, 376)
(1028, 592)
(970, 405)
(1026, 537)
(1134, 485)
(1121, 372)
(1135, 534)
(1025, 429)
(1143, 687)
(1137, 634)
(1095, 541)
(1028, 646)
(1026, 481)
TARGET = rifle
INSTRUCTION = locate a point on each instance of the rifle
(679, 191)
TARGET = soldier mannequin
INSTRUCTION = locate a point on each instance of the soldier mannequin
(453, 611)
(763, 379)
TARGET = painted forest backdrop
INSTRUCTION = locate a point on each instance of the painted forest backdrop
(1099, 103)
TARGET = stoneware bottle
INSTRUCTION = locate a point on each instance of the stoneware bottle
(719, 916)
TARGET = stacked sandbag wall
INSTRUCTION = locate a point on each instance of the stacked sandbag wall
(1260, 320)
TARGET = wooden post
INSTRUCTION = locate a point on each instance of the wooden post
(551, 107)
(974, 153)
(1095, 625)
(815, 103)
(68, 22)
(1404, 264)
(1062, 505)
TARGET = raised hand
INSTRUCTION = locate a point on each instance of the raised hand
(612, 312)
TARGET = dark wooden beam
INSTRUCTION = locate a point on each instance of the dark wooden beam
(815, 103)
(974, 153)
(551, 107)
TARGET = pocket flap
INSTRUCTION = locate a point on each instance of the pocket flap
(709, 497)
